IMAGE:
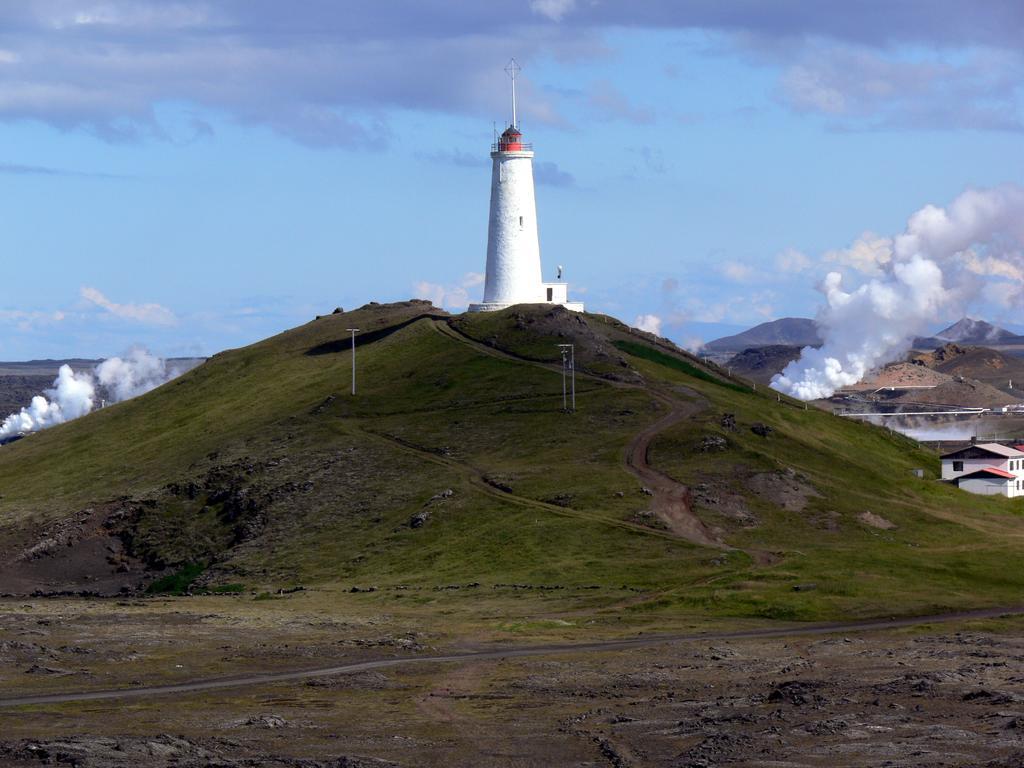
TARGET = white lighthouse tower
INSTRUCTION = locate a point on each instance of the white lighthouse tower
(513, 245)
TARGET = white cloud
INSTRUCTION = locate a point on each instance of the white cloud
(869, 254)
(649, 323)
(612, 104)
(806, 89)
(859, 87)
(792, 260)
(734, 270)
(150, 314)
(553, 9)
(692, 344)
(993, 266)
(453, 297)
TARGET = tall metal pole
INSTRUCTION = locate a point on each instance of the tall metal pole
(572, 369)
(353, 332)
(563, 379)
(569, 355)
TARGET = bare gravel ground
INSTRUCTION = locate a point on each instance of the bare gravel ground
(936, 696)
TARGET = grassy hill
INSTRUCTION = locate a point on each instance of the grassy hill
(455, 465)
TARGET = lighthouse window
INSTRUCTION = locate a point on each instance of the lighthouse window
(551, 294)
(520, 222)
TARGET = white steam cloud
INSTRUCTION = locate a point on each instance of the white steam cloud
(945, 258)
(76, 394)
(649, 323)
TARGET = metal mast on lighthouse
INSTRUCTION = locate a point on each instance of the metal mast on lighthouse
(513, 69)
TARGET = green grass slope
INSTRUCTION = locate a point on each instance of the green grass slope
(454, 464)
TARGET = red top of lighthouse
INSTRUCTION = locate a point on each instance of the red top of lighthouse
(511, 141)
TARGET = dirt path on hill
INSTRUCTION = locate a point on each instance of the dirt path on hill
(510, 652)
(671, 499)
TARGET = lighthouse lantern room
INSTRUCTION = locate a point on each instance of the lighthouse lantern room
(513, 245)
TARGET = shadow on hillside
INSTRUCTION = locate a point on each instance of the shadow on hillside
(369, 337)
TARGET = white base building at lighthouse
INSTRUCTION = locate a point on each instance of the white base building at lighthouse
(513, 244)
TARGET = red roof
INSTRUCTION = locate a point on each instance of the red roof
(1019, 447)
(994, 471)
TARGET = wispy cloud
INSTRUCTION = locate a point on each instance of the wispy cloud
(17, 169)
(609, 103)
(454, 297)
(551, 175)
(793, 261)
(150, 314)
(649, 323)
(553, 9)
(858, 88)
(737, 271)
(457, 157)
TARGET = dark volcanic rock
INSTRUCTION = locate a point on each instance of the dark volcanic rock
(796, 692)
(162, 751)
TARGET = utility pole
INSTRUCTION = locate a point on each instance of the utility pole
(564, 353)
(353, 332)
(571, 350)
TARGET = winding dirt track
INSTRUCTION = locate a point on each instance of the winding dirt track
(671, 499)
(601, 646)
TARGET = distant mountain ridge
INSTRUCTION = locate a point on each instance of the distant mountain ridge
(786, 331)
(803, 332)
(970, 331)
(764, 350)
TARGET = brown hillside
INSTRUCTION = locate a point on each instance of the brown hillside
(760, 364)
(967, 393)
(982, 363)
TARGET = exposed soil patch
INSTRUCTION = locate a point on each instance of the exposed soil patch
(719, 498)
(83, 553)
(789, 489)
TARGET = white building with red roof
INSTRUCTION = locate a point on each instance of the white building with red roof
(988, 469)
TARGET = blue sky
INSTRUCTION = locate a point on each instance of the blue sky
(191, 176)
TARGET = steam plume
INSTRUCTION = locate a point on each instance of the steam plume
(76, 394)
(945, 258)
